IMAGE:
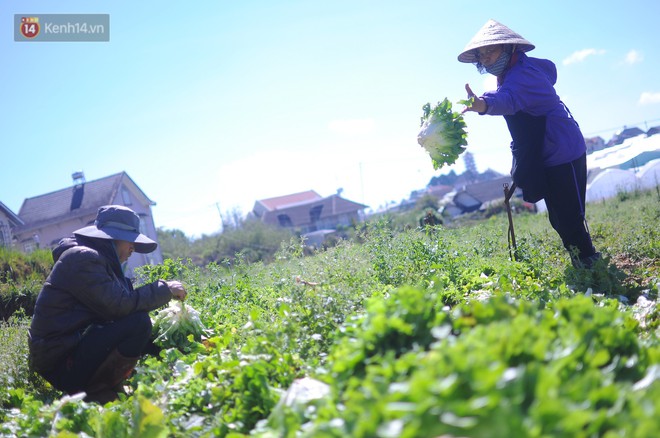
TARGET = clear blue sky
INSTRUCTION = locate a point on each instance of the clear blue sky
(212, 105)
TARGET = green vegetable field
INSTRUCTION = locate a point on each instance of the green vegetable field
(415, 332)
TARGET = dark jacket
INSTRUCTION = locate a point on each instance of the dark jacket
(527, 169)
(86, 286)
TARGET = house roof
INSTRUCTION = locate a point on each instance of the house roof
(439, 191)
(299, 214)
(278, 202)
(10, 214)
(75, 201)
(474, 195)
(624, 134)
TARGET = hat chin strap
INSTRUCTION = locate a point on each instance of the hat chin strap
(118, 225)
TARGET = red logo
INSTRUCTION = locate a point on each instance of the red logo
(30, 27)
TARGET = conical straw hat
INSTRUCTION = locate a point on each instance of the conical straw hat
(493, 33)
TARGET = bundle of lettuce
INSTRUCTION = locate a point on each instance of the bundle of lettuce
(443, 133)
(173, 324)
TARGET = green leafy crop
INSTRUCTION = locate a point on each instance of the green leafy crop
(443, 133)
(175, 323)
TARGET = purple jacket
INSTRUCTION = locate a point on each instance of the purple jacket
(529, 86)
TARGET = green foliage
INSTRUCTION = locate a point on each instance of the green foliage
(416, 334)
(21, 278)
(174, 244)
(426, 202)
(15, 371)
(501, 367)
(17, 267)
(251, 241)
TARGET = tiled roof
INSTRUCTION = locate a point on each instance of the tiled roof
(10, 214)
(86, 199)
(299, 214)
(482, 192)
(289, 200)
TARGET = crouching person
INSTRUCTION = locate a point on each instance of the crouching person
(90, 326)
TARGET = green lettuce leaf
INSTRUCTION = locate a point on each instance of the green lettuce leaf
(443, 133)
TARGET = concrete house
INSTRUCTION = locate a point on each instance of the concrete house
(48, 218)
(309, 213)
(8, 221)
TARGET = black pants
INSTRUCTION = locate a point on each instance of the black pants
(567, 186)
(129, 335)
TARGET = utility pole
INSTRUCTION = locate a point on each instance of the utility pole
(217, 205)
(362, 184)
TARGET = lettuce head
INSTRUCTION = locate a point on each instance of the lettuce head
(443, 133)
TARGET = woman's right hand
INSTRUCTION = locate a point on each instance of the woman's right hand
(177, 290)
(478, 104)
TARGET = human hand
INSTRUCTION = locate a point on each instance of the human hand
(478, 104)
(177, 290)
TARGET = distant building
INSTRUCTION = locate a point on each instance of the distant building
(594, 144)
(477, 196)
(8, 221)
(624, 134)
(48, 218)
(308, 212)
(437, 191)
(653, 131)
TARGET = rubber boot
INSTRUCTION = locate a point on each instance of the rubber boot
(102, 387)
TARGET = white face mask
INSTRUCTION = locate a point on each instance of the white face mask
(498, 66)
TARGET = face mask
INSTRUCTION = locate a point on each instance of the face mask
(498, 66)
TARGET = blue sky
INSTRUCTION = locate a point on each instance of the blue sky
(210, 106)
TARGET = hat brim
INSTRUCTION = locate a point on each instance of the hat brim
(469, 55)
(493, 33)
(143, 244)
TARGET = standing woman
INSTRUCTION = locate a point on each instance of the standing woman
(548, 148)
(90, 326)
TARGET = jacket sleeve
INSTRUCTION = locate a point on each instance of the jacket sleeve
(525, 88)
(89, 278)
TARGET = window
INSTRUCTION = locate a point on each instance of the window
(126, 196)
(29, 246)
(315, 213)
(285, 220)
(143, 224)
(5, 239)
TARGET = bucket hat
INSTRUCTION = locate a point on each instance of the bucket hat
(116, 222)
(491, 33)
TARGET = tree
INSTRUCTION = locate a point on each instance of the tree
(174, 244)
(470, 166)
(444, 180)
